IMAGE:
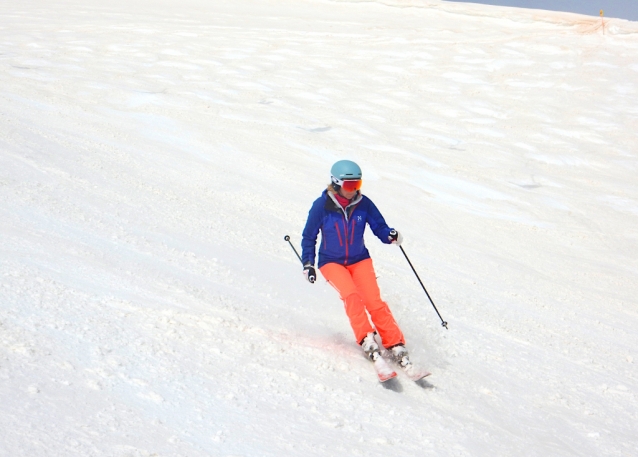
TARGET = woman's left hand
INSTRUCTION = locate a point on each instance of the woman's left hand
(395, 237)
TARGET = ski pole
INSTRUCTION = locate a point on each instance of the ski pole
(308, 269)
(443, 323)
(287, 238)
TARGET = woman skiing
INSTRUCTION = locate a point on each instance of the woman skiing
(341, 214)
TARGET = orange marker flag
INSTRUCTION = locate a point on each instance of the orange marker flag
(602, 13)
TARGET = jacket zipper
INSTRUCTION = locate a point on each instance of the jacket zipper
(339, 234)
(345, 221)
(345, 226)
(352, 232)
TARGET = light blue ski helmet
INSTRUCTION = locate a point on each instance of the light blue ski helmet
(344, 169)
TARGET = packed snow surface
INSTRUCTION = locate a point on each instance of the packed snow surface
(153, 154)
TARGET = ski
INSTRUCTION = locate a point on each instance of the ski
(415, 373)
(384, 371)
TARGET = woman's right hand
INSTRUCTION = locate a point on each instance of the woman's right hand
(309, 273)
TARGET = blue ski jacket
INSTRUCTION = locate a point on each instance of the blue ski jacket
(341, 230)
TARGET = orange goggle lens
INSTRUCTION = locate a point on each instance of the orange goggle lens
(351, 186)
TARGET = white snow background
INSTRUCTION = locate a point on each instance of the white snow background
(153, 154)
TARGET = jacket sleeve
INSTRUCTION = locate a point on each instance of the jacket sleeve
(377, 223)
(310, 232)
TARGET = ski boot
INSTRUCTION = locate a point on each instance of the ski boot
(370, 347)
(372, 351)
(399, 354)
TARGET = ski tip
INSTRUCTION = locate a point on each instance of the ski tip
(387, 376)
(420, 376)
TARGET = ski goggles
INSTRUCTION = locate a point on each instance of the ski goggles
(350, 185)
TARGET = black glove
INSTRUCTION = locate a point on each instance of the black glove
(395, 237)
(309, 273)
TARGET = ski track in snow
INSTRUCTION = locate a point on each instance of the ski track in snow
(153, 156)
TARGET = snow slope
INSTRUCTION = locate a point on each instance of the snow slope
(154, 154)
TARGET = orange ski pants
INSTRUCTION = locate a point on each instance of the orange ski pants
(358, 288)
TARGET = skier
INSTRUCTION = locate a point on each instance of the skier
(341, 214)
